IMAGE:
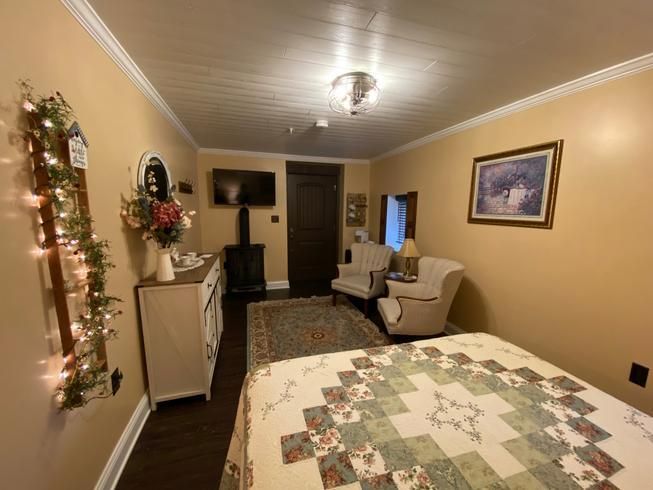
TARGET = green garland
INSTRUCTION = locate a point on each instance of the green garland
(85, 378)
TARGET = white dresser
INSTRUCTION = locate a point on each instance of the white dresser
(182, 324)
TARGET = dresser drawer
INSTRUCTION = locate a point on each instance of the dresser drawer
(212, 279)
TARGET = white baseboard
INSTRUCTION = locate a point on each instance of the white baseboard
(118, 459)
(452, 329)
(277, 285)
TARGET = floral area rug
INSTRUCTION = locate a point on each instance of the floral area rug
(286, 329)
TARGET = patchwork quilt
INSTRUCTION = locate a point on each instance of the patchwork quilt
(462, 412)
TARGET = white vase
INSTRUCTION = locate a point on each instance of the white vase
(164, 270)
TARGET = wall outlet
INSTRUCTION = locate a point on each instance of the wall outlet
(116, 378)
(638, 374)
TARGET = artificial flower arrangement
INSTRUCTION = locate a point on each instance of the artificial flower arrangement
(162, 221)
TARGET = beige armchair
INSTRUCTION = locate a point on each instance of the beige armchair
(363, 278)
(421, 307)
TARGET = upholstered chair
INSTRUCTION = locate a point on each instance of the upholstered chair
(363, 278)
(421, 307)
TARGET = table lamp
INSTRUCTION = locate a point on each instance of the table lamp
(408, 251)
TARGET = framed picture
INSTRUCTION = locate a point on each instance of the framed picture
(517, 187)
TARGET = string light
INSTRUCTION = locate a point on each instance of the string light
(81, 380)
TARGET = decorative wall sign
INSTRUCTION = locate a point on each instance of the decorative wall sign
(356, 209)
(77, 145)
(517, 187)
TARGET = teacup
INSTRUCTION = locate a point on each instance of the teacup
(185, 260)
(192, 256)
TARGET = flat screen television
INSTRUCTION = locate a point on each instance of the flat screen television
(243, 187)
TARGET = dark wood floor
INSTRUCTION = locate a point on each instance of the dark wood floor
(184, 443)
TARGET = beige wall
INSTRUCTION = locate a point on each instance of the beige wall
(219, 226)
(357, 180)
(219, 222)
(578, 295)
(42, 448)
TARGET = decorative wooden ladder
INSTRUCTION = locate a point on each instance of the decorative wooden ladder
(51, 243)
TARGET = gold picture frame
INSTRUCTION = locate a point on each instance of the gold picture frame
(516, 187)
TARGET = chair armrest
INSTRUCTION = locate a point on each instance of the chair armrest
(396, 288)
(415, 306)
(376, 281)
(350, 269)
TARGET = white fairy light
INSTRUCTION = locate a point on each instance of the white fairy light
(47, 123)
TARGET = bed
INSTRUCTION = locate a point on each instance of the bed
(459, 412)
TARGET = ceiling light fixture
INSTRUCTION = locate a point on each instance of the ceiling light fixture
(354, 93)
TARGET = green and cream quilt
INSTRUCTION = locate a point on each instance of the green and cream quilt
(462, 412)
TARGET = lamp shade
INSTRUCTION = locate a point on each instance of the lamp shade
(409, 249)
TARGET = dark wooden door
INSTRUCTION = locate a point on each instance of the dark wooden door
(312, 226)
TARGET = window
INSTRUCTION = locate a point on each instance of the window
(401, 219)
(398, 214)
(395, 228)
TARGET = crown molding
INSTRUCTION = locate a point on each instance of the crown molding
(89, 19)
(281, 156)
(624, 69)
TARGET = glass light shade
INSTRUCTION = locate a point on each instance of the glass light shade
(354, 93)
(409, 249)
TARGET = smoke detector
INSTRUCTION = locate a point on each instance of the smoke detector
(321, 123)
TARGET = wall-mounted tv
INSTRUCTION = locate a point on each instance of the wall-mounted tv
(243, 187)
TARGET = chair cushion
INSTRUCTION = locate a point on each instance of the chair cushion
(357, 285)
(389, 309)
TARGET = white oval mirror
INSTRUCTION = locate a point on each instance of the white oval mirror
(154, 176)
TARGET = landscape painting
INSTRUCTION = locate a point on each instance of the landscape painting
(516, 187)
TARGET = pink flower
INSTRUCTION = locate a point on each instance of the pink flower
(166, 214)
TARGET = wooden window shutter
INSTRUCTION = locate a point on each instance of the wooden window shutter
(411, 214)
(384, 217)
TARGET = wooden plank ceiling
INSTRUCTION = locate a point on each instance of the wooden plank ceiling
(239, 73)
